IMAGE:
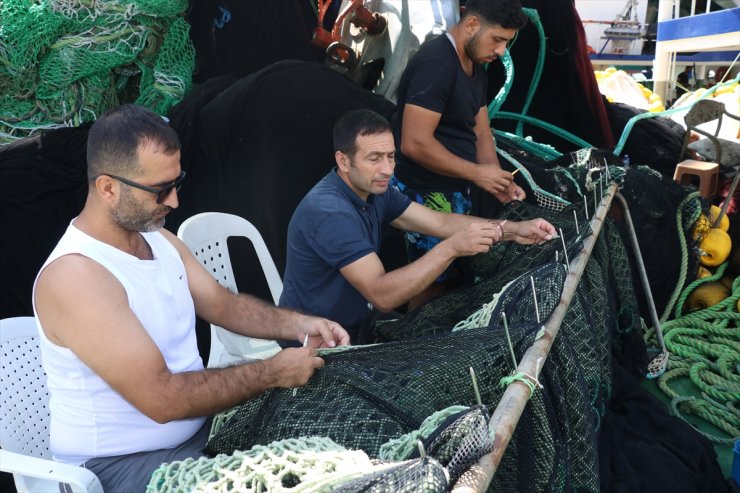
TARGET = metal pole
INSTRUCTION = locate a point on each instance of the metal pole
(642, 271)
(506, 415)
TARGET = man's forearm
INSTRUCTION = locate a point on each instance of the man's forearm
(253, 317)
(399, 286)
(204, 393)
(485, 148)
(451, 223)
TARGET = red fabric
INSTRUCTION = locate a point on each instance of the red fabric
(723, 190)
(588, 82)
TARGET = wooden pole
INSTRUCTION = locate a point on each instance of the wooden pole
(509, 410)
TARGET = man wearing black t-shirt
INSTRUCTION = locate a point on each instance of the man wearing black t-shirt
(443, 128)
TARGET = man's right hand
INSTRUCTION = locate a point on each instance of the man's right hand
(292, 367)
(492, 178)
(476, 237)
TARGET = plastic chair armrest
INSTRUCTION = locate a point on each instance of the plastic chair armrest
(45, 475)
(734, 117)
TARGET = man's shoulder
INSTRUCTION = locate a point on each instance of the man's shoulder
(323, 201)
(324, 196)
(54, 280)
(435, 49)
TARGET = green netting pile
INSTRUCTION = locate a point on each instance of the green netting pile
(312, 464)
(425, 460)
(64, 62)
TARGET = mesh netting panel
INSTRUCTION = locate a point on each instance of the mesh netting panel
(65, 62)
(366, 395)
(459, 444)
(561, 421)
(421, 475)
(300, 464)
(504, 262)
(663, 221)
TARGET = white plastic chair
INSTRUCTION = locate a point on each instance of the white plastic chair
(205, 234)
(24, 416)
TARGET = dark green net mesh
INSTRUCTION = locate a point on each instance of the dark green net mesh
(367, 395)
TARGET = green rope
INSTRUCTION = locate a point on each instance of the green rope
(727, 363)
(564, 134)
(527, 380)
(702, 376)
(544, 151)
(402, 447)
(495, 105)
(698, 282)
(534, 17)
(692, 197)
(704, 346)
(632, 121)
(692, 405)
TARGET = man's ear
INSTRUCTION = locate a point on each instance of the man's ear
(471, 24)
(342, 161)
(104, 185)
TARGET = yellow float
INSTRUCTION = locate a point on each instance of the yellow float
(716, 246)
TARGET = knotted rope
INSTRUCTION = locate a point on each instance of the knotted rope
(704, 347)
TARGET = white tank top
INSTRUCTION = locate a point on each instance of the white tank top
(88, 418)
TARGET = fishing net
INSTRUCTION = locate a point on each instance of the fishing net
(64, 62)
(306, 464)
(663, 214)
(503, 263)
(426, 460)
(457, 442)
(366, 396)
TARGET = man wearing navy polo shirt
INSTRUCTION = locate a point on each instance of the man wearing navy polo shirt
(333, 268)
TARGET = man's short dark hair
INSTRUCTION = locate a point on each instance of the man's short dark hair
(114, 139)
(355, 123)
(505, 13)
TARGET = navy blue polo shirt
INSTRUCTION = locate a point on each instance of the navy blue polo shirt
(331, 228)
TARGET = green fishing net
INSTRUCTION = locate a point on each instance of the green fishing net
(65, 62)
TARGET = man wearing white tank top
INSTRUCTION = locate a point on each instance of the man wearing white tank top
(116, 304)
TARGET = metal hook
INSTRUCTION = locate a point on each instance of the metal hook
(575, 218)
(534, 296)
(475, 386)
(565, 250)
(508, 339)
(422, 451)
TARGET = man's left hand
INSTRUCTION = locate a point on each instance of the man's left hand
(512, 192)
(529, 232)
(322, 333)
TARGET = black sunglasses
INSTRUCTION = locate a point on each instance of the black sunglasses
(162, 193)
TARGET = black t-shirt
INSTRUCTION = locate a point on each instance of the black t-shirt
(435, 80)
